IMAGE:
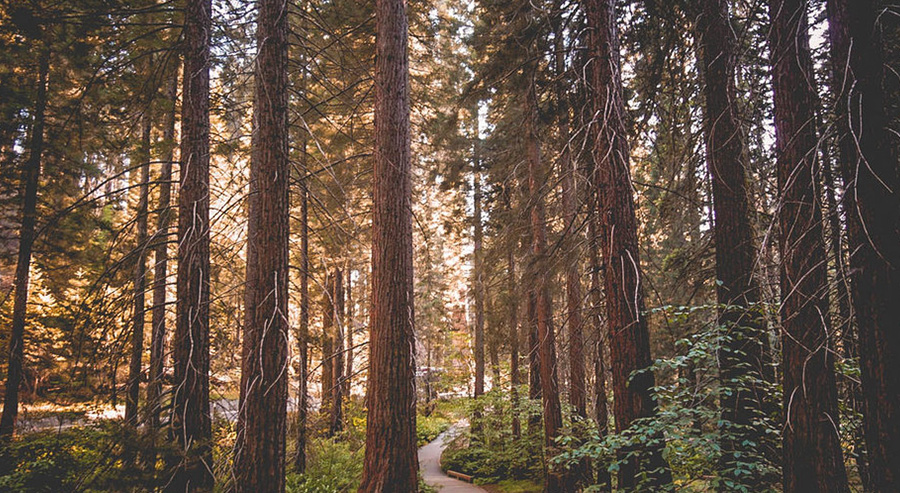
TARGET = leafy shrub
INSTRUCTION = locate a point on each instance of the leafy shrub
(429, 427)
(103, 458)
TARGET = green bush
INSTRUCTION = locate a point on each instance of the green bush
(429, 427)
(489, 451)
(104, 458)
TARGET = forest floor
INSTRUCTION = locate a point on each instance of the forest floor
(430, 465)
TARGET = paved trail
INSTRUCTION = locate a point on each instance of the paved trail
(430, 465)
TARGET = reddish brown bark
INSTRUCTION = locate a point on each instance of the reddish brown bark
(190, 419)
(336, 335)
(260, 449)
(327, 341)
(390, 460)
(629, 338)
(741, 360)
(557, 481)
(513, 339)
(348, 330)
(871, 201)
(478, 264)
(303, 330)
(574, 294)
(30, 177)
(161, 256)
(811, 448)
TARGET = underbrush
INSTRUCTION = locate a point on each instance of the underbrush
(489, 451)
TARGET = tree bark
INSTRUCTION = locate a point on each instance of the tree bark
(161, 257)
(557, 481)
(303, 335)
(390, 459)
(871, 201)
(574, 295)
(513, 339)
(348, 329)
(190, 420)
(140, 273)
(30, 177)
(336, 393)
(741, 357)
(811, 447)
(477, 257)
(601, 401)
(260, 451)
(629, 337)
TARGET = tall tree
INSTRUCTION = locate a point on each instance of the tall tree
(303, 329)
(741, 361)
(477, 254)
(811, 447)
(557, 481)
(260, 451)
(161, 253)
(390, 459)
(868, 163)
(139, 284)
(260, 455)
(30, 176)
(337, 356)
(190, 420)
(629, 336)
(574, 295)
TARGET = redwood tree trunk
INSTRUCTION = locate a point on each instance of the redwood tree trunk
(139, 284)
(811, 446)
(30, 176)
(190, 420)
(260, 451)
(390, 461)
(741, 361)
(513, 339)
(336, 393)
(327, 379)
(574, 295)
(303, 335)
(348, 329)
(557, 481)
(629, 337)
(477, 256)
(871, 201)
(161, 258)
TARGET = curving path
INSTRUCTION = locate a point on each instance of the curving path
(430, 465)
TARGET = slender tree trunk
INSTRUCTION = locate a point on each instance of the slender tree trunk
(140, 273)
(557, 481)
(337, 399)
(513, 339)
(390, 460)
(161, 257)
(477, 256)
(303, 336)
(534, 360)
(811, 445)
(327, 379)
(348, 328)
(741, 357)
(574, 295)
(629, 336)
(601, 402)
(30, 176)
(190, 421)
(871, 201)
